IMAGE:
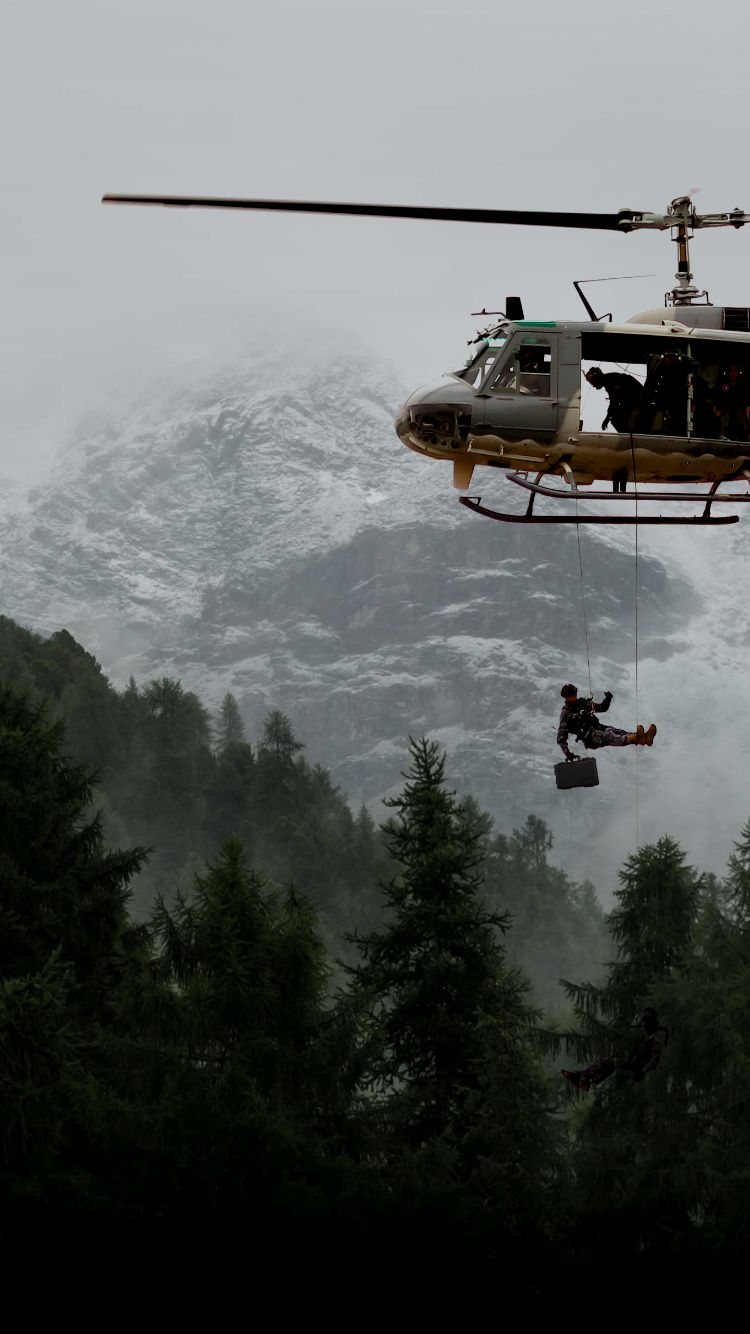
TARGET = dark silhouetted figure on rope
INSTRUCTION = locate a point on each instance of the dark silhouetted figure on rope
(644, 1057)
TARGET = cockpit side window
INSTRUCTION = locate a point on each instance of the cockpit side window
(529, 370)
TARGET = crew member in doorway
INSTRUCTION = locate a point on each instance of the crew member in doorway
(645, 1056)
(578, 718)
(664, 402)
(734, 402)
(624, 393)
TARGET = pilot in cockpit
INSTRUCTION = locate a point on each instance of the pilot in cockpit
(534, 370)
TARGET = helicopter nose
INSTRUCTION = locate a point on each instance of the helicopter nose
(429, 418)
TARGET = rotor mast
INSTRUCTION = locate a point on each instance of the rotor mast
(682, 220)
(684, 293)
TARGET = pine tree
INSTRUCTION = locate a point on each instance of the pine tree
(634, 1160)
(454, 1073)
(712, 1040)
(65, 944)
(39, 1057)
(737, 882)
(279, 739)
(169, 801)
(60, 889)
(230, 729)
(258, 1080)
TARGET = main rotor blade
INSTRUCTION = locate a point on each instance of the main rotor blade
(517, 217)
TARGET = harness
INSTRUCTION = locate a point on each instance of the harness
(582, 721)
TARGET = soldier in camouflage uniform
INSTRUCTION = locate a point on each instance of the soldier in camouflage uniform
(578, 718)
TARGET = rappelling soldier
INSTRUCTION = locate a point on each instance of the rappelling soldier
(578, 718)
(643, 1058)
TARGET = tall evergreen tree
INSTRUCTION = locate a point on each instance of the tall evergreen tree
(60, 889)
(709, 1003)
(231, 729)
(260, 1078)
(454, 1070)
(635, 1146)
(278, 737)
(65, 942)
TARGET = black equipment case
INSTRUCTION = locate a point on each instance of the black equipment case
(581, 773)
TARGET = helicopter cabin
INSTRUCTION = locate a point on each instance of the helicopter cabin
(643, 400)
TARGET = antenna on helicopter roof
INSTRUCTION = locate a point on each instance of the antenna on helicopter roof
(617, 278)
(513, 309)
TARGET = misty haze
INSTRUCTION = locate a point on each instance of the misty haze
(303, 955)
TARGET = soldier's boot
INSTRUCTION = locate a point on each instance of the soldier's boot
(633, 739)
(649, 734)
(640, 733)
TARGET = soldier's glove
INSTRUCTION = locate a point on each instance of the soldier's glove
(608, 694)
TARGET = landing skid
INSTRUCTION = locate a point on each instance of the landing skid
(706, 519)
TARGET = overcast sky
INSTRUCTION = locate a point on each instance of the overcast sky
(542, 105)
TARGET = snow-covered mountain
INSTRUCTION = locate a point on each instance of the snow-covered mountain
(264, 532)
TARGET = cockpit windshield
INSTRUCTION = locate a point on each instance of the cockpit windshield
(482, 359)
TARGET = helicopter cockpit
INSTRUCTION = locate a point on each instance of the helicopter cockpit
(483, 358)
(527, 369)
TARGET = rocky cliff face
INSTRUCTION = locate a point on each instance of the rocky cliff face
(266, 533)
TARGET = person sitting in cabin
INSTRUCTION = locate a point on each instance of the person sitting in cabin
(578, 718)
(664, 401)
(706, 413)
(643, 1058)
(733, 398)
(624, 393)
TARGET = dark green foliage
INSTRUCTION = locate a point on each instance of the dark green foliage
(711, 1044)
(38, 1053)
(194, 1072)
(163, 787)
(64, 935)
(636, 1140)
(460, 1100)
(61, 889)
(230, 730)
(278, 739)
(260, 1081)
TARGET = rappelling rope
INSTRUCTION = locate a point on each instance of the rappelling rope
(583, 601)
(637, 756)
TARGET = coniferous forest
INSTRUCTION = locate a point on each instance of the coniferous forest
(233, 1009)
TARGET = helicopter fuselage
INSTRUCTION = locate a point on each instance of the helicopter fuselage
(517, 403)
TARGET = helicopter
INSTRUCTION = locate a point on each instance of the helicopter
(516, 402)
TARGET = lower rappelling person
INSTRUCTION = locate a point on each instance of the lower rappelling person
(645, 1056)
(578, 718)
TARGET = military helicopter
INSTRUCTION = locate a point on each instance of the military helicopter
(516, 403)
